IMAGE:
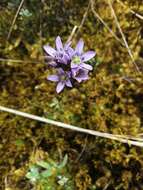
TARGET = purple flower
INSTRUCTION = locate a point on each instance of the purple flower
(80, 74)
(63, 79)
(71, 63)
(79, 57)
(60, 54)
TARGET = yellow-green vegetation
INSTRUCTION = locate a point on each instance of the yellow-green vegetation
(110, 101)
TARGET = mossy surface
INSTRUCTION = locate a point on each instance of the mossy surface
(110, 101)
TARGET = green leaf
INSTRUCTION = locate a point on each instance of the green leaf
(43, 164)
(64, 162)
(33, 174)
(19, 142)
(46, 173)
(63, 181)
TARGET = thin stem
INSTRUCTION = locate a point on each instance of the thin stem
(104, 23)
(133, 12)
(83, 19)
(123, 36)
(15, 17)
(72, 33)
(71, 127)
(17, 61)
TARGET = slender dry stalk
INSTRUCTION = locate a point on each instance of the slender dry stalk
(18, 61)
(72, 33)
(83, 19)
(42, 57)
(104, 23)
(107, 185)
(83, 149)
(130, 137)
(14, 20)
(140, 135)
(133, 12)
(74, 128)
(123, 36)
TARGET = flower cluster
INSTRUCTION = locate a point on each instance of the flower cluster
(69, 62)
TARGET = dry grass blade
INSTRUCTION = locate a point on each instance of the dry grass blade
(130, 137)
(71, 127)
(107, 185)
(83, 149)
(18, 61)
(104, 23)
(15, 17)
(133, 12)
(123, 36)
(83, 19)
(72, 33)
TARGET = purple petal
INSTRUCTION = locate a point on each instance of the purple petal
(73, 65)
(61, 71)
(80, 74)
(53, 78)
(59, 60)
(88, 55)
(70, 52)
(60, 87)
(69, 74)
(48, 58)
(74, 71)
(52, 63)
(59, 44)
(67, 45)
(86, 66)
(79, 47)
(65, 58)
(68, 83)
(49, 50)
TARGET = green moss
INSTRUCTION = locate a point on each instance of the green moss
(111, 101)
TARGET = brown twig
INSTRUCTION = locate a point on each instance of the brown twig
(14, 20)
(123, 36)
(107, 185)
(72, 33)
(121, 139)
(18, 61)
(83, 149)
(104, 23)
(133, 12)
(83, 19)
(41, 33)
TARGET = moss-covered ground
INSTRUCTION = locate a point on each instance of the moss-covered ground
(110, 101)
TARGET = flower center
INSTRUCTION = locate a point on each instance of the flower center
(76, 60)
(63, 77)
(79, 73)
